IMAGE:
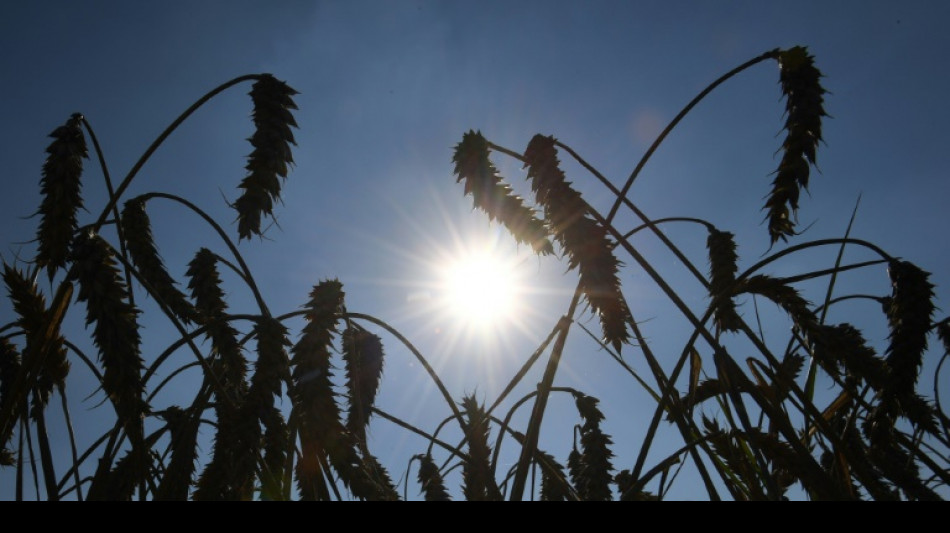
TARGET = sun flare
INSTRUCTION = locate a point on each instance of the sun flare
(480, 288)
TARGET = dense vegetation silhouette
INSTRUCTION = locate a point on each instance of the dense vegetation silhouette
(752, 429)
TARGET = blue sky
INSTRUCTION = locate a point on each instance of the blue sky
(387, 88)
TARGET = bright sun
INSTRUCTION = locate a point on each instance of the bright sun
(480, 289)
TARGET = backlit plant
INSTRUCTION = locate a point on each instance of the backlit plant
(753, 428)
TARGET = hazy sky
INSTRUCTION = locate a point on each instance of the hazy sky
(387, 88)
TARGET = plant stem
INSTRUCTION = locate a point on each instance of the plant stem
(227, 241)
(425, 364)
(161, 138)
(771, 54)
(537, 413)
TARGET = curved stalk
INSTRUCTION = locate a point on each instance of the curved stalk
(623, 364)
(562, 324)
(771, 54)
(786, 429)
(540, 404)
(170, 377)
(531, 438)
(72, 438)
(224, 237)
(684, 424)
(661, 467)
(189, 338)
(652, 224)
(511, 412)
(161, 138)
(812, 244)
(543, 460)
(431, 438)
(115, 206)
(34, 361)
(422, 360)
(518, 376)
(812, 364)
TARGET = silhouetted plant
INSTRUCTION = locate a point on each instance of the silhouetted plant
(752, 428)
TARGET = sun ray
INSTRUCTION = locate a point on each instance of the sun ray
(480, 288)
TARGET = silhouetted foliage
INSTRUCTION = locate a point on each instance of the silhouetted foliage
(285, 424)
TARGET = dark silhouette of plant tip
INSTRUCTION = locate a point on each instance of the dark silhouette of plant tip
(269, 161)
(804, 110)
(60, 187)
(285, 424)
(492, 195)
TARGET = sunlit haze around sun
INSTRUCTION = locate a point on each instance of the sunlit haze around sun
(480, 288)
(384, 189)
(474, 284)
